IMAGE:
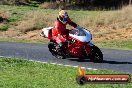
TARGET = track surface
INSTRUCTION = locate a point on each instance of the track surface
(117, 60)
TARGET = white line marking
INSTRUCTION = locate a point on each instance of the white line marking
(4, 56)
(37, 61)
(55, 64)
(67, 65)
(89, 68)
(59, 64)
(1, 56)
(95, 69)
(74, 66)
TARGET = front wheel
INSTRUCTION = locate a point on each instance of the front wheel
(96, 55)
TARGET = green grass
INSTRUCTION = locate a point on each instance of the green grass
(35, 17)
(20, 11)
(116, 44)
(13, 18)
(4, 27)
(18, 73)
(23, 40)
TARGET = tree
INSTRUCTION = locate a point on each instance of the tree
(130, 2)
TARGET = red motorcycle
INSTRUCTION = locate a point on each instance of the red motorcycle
(79, 45)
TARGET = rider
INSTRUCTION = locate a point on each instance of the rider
(59, 32)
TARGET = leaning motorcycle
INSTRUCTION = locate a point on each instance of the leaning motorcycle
(79, 46)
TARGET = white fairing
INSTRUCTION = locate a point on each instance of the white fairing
(78, 33)
(46, 31)
(81, 34)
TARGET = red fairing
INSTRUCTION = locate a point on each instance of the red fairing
(76, 49)
(59, 31)
(87, 48)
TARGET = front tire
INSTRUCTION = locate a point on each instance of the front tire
(96, 55)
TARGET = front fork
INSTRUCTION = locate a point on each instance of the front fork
(88, 48)
(91, 44)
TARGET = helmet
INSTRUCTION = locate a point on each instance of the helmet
(63, 16)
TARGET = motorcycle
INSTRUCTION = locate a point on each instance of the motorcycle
(79, 46)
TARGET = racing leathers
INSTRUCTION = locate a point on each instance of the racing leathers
(59, 32)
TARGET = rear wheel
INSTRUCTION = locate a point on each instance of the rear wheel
(96, 55)
(55, 51)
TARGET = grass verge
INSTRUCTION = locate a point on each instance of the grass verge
(18, 73)
(116, 44)
(23, 40)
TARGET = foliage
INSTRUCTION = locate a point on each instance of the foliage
(115, 44)
(85, 4)
(13, 19)
(4, 27)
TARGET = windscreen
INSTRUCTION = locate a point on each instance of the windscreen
(78, 32)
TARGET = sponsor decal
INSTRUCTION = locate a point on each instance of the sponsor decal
(84, 78)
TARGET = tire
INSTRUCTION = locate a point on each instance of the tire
(96, 55)
(81, 80)
(54, 51)
(51, 47)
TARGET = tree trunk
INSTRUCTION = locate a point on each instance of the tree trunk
(130, 2)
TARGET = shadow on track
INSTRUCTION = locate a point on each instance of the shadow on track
(116, 62)
(104, 61)
(79, 60)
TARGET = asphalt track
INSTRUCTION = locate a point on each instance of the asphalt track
(117, 60)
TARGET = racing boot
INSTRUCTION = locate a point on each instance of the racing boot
(61, 51)
(62, 47)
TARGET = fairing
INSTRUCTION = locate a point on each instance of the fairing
(78, 33)
(81, 34)
(46, 31)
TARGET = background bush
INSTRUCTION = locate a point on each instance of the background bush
(85, 4)
(4, 27)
